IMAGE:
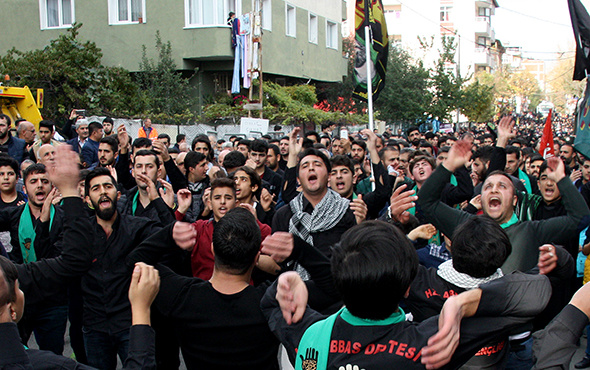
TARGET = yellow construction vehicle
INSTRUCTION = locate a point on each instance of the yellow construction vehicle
(18, 102)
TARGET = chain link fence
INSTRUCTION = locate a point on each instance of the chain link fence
(192, 131)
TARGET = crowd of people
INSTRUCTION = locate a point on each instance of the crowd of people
(370, 250)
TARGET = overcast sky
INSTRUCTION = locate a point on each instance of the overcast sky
(539, 26)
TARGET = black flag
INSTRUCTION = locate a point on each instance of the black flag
(581, 25)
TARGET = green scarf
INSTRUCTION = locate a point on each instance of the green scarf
(134, 204)
(314, 346)
(525, 179)
(510, 222)
(27, 234)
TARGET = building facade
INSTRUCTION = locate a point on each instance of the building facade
(419, 25)
(301, 38)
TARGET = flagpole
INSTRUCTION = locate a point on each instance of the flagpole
(368, 46)
(368, 43)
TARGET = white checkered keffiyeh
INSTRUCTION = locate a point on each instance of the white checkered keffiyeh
(447, 272)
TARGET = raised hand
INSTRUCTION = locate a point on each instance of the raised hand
(401, 201)
(292, 297)
(145, 284)
(184, 235)
(459, 155)
(278, 245)
(184, 198)
(359, 207)
(166, 193)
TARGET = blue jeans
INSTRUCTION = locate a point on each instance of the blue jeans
(102, 348)
(521, 358)
(49, 326)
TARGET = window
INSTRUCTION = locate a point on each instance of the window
(331, 35)
(482, 42)
(484, 12)
(313, 28)
(208, 12)
(267, 15)
(290, 20)
(445, 13)
(56, 13)
(126, 11)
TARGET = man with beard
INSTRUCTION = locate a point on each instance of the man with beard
(318, 215)
(284, 149)
(146, 199)
(78, 142)
(498, 201)
(107, 311)
(107, 125)
(14, 146)
(414, 137)
(35, 228)
(108, 150)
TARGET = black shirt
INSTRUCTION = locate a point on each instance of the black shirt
(19, 197)
(105, 286)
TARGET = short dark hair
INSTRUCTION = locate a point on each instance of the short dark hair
(543, 167)
(10, 276)
(411, 129)
(313, 133)
(537, 157)
(7, 118)
(513, 150)
(165, 136)
(193, 158)
(480, 247)
(429, 135)
(180, 137)
(141, 142)
(484, 153)
(93, 127)
(112, 142)
(148, 152)
(223, 182)
(98, 171)
(33, 169)
(234, 159)
(372, 267)
(431, 161)
(236, 241)
(109, 120)
(47, 124)
(275, 149)
(254, 179)
(342, 160)
(360, 143)
(317, 153)
(259, 146)
(8, 161)
(245, 142)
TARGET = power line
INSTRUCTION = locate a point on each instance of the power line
(476, 43)
(537, 18)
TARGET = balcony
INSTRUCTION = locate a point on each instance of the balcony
(483, 27)
(481, 56)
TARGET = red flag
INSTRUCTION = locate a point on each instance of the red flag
(546, 148)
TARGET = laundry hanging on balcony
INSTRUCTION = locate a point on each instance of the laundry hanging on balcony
(244, 49)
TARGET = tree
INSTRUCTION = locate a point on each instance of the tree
(72, 76)
(405, 96)
(168, 94)
(445, 84)
(562, 85)
(525, 86)
(478, 101)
